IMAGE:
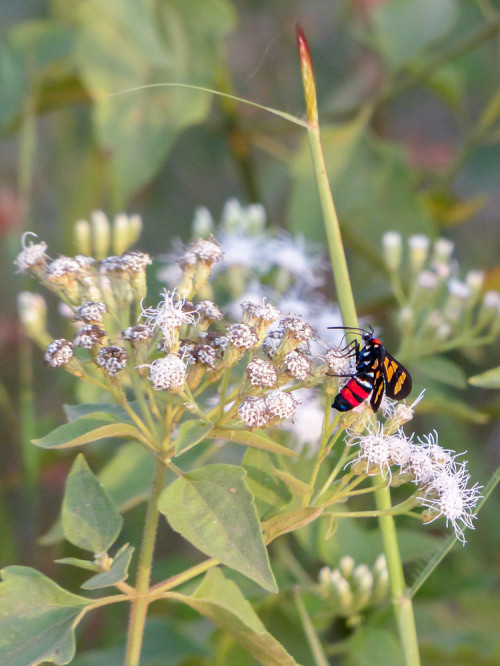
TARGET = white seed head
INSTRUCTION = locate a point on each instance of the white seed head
(253, 412)
(280, 405)
(242, 336)
(261, 373)
(59, 353)
(32, 256)
(168, 372)
(89, 336)
(112, 359)
(298, 365)
(91, 312)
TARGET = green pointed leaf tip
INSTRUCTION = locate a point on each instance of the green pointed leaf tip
(489, 379)
(89, 517)
(116, 574)
(221, 601)
(37, 618)
(87, 429)
(191, 433)
(212, 507)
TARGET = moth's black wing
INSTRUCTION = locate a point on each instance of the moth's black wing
(397, 378)
(378, 390)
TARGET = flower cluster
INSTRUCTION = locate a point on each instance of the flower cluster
(255, 365)
(439, 309)
(442, 482)
(352, 589)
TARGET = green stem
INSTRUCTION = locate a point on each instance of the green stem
(319, 656)
(401, 601)
(142, 599)
(334, 238)
(402, 604)
(158, 590)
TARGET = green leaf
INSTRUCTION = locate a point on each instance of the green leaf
(270, 493)
(213, 508)
(34, 52)
(404, 28)
(290, 521)
(382, 197)
(175, 41)
(74, 412)
(489, 379)
(87, 429)
(89, 517)
(77, 562)
(443, 370)
(116, 574)
(191, 433)
(127, 478)
(37, 618)
(222, 602)
(299, 487)
(368, 646)
(257, 440)
(458, 409)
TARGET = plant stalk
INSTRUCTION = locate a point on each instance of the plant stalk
(141, 601)
(403, 608)
(402, 603)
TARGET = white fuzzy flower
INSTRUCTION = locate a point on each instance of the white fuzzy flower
(253, 412)
(169, 315)
(374, 447)
(280, 405)
(168, 372)
(447, 495)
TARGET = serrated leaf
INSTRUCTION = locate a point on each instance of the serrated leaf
(87, 429)
(117, 573)
(222, 602)
(77, 562)
(290, 521)
(489, 379)
(212, 507)
(37, 618)
(270, 493)
(443, 370)
(256, 440)
(191, 433)
(89, 517)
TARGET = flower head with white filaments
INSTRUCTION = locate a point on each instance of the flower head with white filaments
(169, 315)
(433, 469)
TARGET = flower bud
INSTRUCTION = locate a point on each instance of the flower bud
(203, 224)
(33, 315)
(393, 249)
(419, 250)
(83, 237)
(101, 233)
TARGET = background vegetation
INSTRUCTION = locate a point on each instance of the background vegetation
(409, 107)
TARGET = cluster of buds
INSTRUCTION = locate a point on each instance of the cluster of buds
(438, 309)
(352, 589)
